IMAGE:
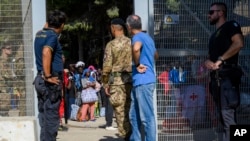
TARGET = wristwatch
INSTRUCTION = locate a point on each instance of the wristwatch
(137, 65)
(47, 77)
(221, 59)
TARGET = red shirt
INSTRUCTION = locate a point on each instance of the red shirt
(163, 79)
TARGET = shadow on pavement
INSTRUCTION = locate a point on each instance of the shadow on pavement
(109, 138)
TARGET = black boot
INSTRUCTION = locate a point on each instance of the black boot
(126, 138)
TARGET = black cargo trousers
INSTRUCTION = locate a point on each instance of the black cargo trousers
(224, 88)
(49, 97)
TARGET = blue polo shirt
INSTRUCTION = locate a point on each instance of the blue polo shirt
(146, 58)
(48, 37)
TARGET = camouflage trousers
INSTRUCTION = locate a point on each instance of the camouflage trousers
(5, 101)
(120, 100)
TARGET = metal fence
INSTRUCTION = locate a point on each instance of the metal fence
(16, 58)
(185, 109)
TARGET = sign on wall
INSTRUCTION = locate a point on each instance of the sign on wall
(171, 19)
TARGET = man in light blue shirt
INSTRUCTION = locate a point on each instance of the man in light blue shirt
(144, 80)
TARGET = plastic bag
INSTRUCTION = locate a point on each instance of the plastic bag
(102, 112)
(74, 111)
(89, 95)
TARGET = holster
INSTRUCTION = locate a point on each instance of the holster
(125, 76)
(111, 78)
(234, 73)
(46, 91)
(40, 86)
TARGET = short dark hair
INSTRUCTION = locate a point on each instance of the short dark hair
(134, 21)
(56, 18)
(119, 21)
(222, 5)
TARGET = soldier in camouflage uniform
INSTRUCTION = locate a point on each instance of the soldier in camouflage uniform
(8, 93)
(116, 77)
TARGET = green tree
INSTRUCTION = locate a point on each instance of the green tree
(173, 5)
(88, 22)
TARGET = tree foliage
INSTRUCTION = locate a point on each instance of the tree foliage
(173, 5)
(88, 22)
(83, 15)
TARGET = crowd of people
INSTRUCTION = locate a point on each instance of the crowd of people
(111, 86)
(127, 80)
(79, 81)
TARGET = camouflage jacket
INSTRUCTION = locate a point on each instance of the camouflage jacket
(117, 61)
(6, 74)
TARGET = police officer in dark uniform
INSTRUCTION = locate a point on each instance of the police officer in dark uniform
(224, 46)
(48, 82)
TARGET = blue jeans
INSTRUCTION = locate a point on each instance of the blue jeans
(142, 113)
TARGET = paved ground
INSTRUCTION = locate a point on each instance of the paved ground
(95, 131)
(88, 131)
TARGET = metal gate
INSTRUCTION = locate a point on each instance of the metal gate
(185, 109)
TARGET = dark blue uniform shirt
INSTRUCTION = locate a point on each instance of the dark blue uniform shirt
(47, 37)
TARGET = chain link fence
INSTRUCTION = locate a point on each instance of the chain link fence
(16, 58)
(185, 109)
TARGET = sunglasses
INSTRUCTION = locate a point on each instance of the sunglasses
(8, 48)
(211, 12)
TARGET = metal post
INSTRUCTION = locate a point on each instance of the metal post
(38, 21)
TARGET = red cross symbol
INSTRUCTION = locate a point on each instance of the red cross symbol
(193, 96)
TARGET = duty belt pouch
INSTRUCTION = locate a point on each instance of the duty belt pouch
(126, 77)
(233, 73)
(40, 87)
(111, 78)
(41, 90)
(54, 92)
(230, 92)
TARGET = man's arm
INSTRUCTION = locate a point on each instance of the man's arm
(136, 52)
(47, 56)
(107, 65)
(156, 55)
(237, 44)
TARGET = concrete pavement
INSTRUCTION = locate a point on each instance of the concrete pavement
(88, 131)
(95, 131)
